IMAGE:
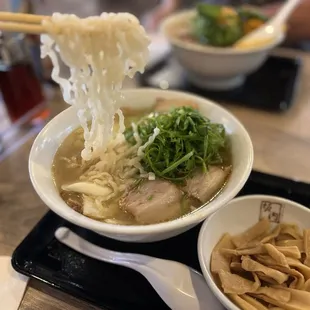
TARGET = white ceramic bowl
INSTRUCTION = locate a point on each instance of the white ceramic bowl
(54, 133)
(236, 217)
(212, 67)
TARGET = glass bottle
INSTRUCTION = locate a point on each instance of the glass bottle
(20, 87)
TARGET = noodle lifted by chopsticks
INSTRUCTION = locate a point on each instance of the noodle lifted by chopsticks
(100, 52)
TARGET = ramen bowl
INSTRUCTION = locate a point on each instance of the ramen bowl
(50, 138)
(236, 217)
(213, 67)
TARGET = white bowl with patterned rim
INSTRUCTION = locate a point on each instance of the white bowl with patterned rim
(53, 134)
(237, 216)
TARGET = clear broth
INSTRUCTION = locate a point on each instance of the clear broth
(65, 172)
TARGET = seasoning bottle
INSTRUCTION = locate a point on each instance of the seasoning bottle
(21, 90)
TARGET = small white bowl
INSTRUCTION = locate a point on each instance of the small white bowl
(47, 142)
(236, 217)
(212, 67)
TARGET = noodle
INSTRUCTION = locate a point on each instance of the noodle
(100, 52)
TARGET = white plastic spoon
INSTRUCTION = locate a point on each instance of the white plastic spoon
(179, 286)
(269, 30)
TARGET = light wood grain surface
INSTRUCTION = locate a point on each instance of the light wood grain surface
(282, 147)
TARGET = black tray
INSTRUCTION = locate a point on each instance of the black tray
(111, 287)
(272, 87)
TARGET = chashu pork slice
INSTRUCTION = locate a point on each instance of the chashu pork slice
(153, 202)
(203, 186)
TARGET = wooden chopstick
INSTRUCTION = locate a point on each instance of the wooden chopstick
(19, 22)
(21, 17)
(20, 27)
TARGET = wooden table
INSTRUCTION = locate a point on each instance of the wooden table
(282, 147)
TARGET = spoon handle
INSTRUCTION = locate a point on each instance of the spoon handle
(72, 240)
(284, 13)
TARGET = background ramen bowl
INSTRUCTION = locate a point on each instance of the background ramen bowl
(236, 217)
(213, 67)
(49, 139)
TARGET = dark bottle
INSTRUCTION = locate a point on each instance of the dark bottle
(20, 87)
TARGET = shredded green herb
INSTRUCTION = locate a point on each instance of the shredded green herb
(187, 140)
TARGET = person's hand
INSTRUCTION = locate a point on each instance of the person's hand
(299, 22)
(152, 19)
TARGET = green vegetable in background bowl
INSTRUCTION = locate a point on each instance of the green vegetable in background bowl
(222, 26)
(251, 19)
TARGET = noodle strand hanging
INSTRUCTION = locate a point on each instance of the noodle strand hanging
(100, 52)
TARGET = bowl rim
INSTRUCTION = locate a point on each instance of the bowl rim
(70, 215)
(211, 50)
(205, 269)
